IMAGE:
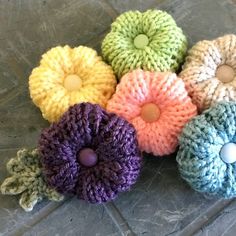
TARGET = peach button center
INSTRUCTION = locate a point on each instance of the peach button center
(225, 73)
(150, 112)
(72, 82)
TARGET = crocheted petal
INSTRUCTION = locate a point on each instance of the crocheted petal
(204, 52)
(155, 137)
(166, 89)
(128, 24)
(55, 104)
(223, 120)
(152, 62)
(83, 59)
(169, 48)
(223, 92)
(114, 177)
(103, 80)
(118, 140)
(227, 48)
(127, 61)
(88, 94)
(196, 74)
(29, 199)
(203, 175)
(41, 82)
(204, 94)
(154, 21)
(114, 43)
(12, 186)
(131, 93)
(58, 59)
(136, 86)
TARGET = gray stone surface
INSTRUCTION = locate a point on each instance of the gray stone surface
(160, 203)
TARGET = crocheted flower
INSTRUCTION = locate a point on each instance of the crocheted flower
(150, 41)
(27, 180)
(90, 153)
(206, 156)
(158, 106)
(67, 76)
(209, 72)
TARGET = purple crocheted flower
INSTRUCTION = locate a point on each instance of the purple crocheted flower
(91, 153)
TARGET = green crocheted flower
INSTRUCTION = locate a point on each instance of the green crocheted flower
(150, 41)
(27, 180)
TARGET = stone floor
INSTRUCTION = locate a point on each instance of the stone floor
(160, 203)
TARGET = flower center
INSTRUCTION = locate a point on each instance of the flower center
(150, 112)
(141, 41)
(228, 153)
(72, 82)
(87, 157)
(225, 73)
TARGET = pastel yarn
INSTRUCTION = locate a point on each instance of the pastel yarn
(163, 92)
(150, 40)
(202, 72)
(111, 138)
(67, 76)
(201, 143)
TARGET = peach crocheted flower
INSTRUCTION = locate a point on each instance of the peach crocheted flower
(209, 72)
(158, 106)
(67, 76)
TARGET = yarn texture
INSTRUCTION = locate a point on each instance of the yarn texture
(67, 76)
(86, 126)
(201, 142)
(27, 180)
(200, 71)
(165, 94)
(150, 41)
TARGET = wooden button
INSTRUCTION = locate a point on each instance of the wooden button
(225, 73)
(141, 41)
(150, 112)
(72, 82)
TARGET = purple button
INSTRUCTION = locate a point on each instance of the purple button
(87, 157)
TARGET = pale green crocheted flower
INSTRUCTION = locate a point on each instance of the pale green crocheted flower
(151, 41)
(27, 180)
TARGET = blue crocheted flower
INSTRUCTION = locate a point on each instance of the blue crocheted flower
(206, 158)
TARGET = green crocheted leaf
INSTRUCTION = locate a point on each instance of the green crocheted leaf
(27, 180)
(29, 199)
(12, 186)
(54, 195)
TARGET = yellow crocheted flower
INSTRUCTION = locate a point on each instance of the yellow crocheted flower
(67, 76)
(209, 72)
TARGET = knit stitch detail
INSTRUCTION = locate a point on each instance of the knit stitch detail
(199, 71)
(165, 50)
(199, 158)
(165, 90)
(113, 140)
(46, 81)
(27, 180)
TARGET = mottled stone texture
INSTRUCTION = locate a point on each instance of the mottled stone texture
(160, 203)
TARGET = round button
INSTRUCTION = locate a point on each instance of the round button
(228, 153)
(141, 41)
(87, 157)
(150, 112)
(225, 73)
(72, 82)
